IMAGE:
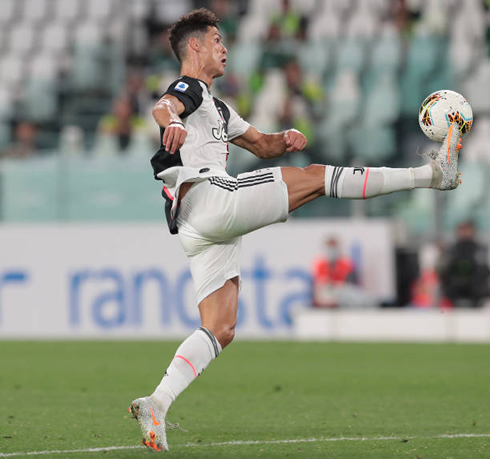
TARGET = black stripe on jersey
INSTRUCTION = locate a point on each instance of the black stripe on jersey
(223, 110)
(212, 338)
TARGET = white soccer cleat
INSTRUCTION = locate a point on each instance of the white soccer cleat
(151, 422)
(445, 162)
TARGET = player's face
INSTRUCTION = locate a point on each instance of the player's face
(215, 53)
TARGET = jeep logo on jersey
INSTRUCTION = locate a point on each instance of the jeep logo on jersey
(181, 86)
(220, 133)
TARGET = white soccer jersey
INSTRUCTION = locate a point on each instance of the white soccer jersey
(210, 124)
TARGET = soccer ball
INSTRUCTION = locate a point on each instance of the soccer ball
(440, 109)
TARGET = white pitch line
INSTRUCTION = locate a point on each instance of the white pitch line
(247, 442)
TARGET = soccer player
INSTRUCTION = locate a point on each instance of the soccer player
(211, 210)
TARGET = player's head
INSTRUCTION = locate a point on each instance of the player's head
(196, 36)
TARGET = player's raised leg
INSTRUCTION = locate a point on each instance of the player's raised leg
(316, 180)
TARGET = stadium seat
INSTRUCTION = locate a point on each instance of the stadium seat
(12, 70)
(169, 11)
(100, 10)
(140, 9)
(475, 87)
(423, 57)
(373, 144)
(252, 28)
(382, 103)
(342, 110)
(54, 39)
(6, 104)
(476, 146)
(386, 54)
(351, 55)
(263, 8)
(41, 101)
(272, 95)
(22, 39)
(304, 7)
(417, 212)
(362, 24)
(314, 58)
(325, 26)
(86, 70)
(67, 11)
(35, 11)
(245, 58)
(471, 195)
(5, 133)
(8, 11)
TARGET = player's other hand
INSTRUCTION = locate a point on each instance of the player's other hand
(294, 140)
(174, 137)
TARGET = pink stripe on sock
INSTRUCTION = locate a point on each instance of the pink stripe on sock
(185, 360)
(365, 184)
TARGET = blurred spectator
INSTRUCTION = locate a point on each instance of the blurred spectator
(276, 51)
(331, 272)
(227, 12)
(24, 144)
(121, 122)
(303, 101)
(136, 92)
(160, 56)
(464, 269)
(287, 20)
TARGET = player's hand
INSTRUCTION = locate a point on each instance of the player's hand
(294, 140)
(174, 137)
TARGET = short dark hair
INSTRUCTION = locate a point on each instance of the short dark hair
(194, 24)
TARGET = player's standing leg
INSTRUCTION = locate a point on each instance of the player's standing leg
(218, 317)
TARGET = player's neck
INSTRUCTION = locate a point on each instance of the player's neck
(194, 69)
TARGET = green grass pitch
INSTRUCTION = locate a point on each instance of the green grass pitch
(345, 399)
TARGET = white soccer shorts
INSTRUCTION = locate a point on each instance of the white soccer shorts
(215, 213)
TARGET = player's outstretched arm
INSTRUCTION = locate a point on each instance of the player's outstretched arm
(166, 113)
(268, 146)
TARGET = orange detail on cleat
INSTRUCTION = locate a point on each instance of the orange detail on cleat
(459, 146)
(449, 135)
(153, 418)
(460, 182)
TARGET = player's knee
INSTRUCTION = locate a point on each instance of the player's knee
(226, 334)
(315, 170)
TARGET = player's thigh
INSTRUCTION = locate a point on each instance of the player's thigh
(261, 200)
(304, 184)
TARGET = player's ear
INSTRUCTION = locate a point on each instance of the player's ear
(195, 43)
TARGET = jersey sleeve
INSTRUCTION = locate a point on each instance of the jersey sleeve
(236, 124)
(189, 92)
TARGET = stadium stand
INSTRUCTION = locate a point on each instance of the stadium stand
(365, 66)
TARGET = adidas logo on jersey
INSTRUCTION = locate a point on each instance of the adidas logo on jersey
(181, 86)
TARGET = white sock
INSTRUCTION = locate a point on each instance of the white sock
(190, 360)
(367, 182)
